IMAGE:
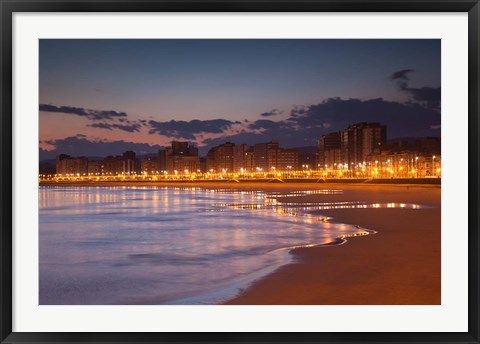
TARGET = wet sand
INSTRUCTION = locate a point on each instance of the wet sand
(400, 265)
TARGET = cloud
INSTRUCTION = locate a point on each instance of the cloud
(80, 146)
(298, 110)
(93, 115)
(125, 127)
(235, 129)
(401, 74)
(420, 116)
(307, 123)
(337, 114)
(265, 124)
(187, 130)
(428, 96)
(274, 112)
(249, 138)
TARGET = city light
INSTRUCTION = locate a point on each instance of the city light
(334, 159)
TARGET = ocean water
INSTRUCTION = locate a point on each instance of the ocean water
(158, 245)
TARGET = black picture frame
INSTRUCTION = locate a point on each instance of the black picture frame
(9, 7)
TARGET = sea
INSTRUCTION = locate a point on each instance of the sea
(172, 245)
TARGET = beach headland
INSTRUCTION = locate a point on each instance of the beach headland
(400, 265)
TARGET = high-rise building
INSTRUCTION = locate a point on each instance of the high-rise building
(162, 159)
(182, 164)
(265, 155)
(221, 158)
(249, 161)
(180, 148)
(360, 140)
(149, 165)
(181, 158)
(328, 150)
(65, 165)
(242, 158)
(287, 159)
(94, 168)
(269, 156)
(331, 158)
(307, 161)
(112, 165)
(129, 163)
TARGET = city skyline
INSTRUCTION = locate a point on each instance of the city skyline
(359, 150)
(109, 96)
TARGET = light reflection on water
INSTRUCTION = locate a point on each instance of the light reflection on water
(146, 245)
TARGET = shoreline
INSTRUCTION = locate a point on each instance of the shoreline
(398, 265)
(260, 186)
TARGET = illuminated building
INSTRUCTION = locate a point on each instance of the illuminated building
(112, 165)
(65, 164)
(94, 167)
(329, 150)
(287, 159)
(162, 159)
(129, 163)
(149, 165)
(360, 140)
(181, 158)
(242, 158)
(269, 156)
(221, 158)
(265, 155)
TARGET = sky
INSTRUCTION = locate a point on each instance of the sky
(101, 97)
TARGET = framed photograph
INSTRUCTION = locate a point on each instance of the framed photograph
(239, 171)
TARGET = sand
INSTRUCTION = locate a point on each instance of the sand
(400, 265)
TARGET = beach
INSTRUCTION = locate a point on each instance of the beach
(399, 265)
